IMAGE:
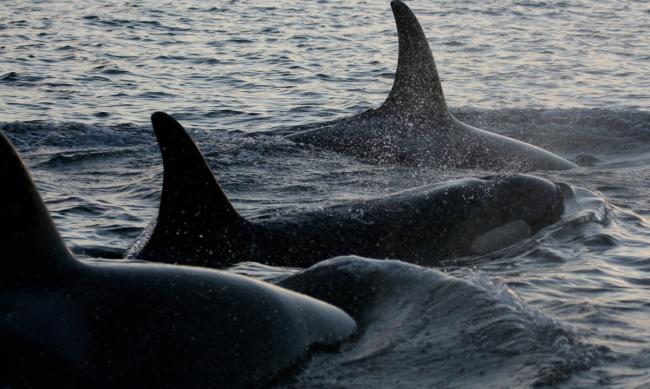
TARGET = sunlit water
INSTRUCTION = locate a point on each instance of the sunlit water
(568, 307)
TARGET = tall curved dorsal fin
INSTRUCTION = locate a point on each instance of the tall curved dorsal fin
(416, 89)
(191, 201)
(29, 241)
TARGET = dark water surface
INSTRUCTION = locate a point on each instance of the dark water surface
(569, 306)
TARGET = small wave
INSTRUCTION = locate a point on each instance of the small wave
(34, 134)
(240, 40)
(66, 48)
(11, 76)
(15, 79)
(110, 70)
(454, 43)
(227, 112)
(115, 71)
(453, 332)
(68, 158)
(96, 251)
(155, 95)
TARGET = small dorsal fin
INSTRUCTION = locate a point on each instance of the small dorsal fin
(191, 202)
(29, 241)
(416, 88)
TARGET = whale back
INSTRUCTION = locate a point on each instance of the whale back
(416, 90)
(111, 325)
(26, 229)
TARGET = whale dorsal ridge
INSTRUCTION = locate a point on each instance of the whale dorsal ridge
(191, 200)
(30, 243)
(416, 89)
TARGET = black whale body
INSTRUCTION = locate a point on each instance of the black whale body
(197, 225)
(414, 127)
(67, 323)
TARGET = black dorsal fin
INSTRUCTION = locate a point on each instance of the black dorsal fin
(191, 201)
(29, 241)
(416, 89)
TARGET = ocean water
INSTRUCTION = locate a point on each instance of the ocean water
(569, 307)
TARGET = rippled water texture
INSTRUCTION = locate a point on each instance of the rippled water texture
(568, 307)
(251, 65)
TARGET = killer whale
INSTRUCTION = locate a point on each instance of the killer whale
(197, 225)
(68, 323)
(414, 126)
